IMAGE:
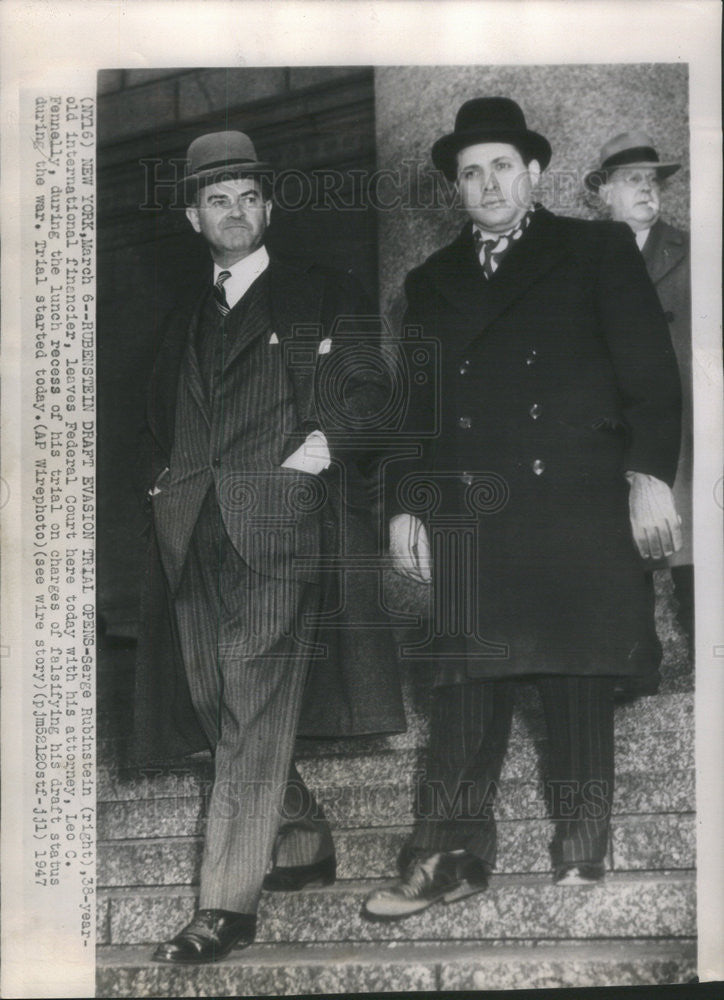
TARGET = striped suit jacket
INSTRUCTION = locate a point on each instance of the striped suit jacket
(355, 689)
(233, 428)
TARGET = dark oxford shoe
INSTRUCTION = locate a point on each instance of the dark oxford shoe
(210, 936)
(299, 877)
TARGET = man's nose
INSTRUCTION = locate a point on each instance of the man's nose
(237, 208)
(490, 182)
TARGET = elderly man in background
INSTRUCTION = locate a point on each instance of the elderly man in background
(628, 182)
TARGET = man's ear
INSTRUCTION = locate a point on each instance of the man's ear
(192, 214)
(267, 210)
(604, 193)
(535, 171)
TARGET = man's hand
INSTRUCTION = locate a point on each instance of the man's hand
(655, 524)
(312, 456)
(410, 548)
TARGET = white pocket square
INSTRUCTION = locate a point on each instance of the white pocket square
(325, 346)
(274, 339)
(312, 456)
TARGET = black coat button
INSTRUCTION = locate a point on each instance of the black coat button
(531, 358)
(466, 423)
(538, 466)
(464, 368)
(535, 411)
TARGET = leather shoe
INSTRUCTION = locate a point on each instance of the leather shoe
(581, 873)
(299, 877)
(447, 877)
(210, 936)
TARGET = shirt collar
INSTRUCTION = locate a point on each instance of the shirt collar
(641, 236)
(520, 224)
(243, 274)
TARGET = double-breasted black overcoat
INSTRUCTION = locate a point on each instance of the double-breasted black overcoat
(552, 380)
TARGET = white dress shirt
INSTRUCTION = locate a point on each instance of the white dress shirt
(243, 274)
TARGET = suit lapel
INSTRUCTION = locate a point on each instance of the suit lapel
(459, 277)
(663, 250)
(246, 322)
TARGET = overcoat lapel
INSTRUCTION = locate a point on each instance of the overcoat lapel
(663, 250)
(193, 370)
(163, 389)
(459, 277)
(296, 309)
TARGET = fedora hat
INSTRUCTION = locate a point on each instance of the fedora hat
(219, 156)
(630, 149)
(489, 119)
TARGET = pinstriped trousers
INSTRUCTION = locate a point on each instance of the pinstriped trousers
(241, 636)
(469, 731)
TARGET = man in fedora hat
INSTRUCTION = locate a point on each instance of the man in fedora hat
(557, 444)
(628, 181)
(258, 475)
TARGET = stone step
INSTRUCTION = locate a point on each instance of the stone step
(662, 713)
(635, 752)
(639, 750)
(647, 842)
(352, 805)
(515, 907)
(298, 969)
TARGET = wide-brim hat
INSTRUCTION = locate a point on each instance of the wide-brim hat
(629, 149)
(489, 119)
(220, 156)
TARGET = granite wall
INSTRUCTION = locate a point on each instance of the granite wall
(577, 108)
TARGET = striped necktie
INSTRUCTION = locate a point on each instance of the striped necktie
(491, 252)
(219, 294)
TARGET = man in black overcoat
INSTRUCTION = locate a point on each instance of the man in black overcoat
(559, 401)
(259, 486)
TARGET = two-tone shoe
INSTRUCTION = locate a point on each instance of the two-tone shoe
(441, 878)
(210, 936)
